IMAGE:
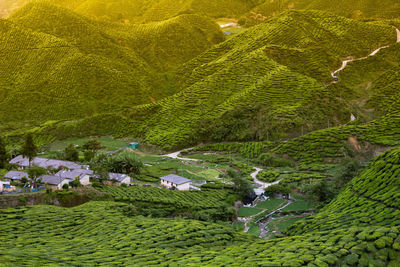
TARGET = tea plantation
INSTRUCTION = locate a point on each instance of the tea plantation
(66, 66)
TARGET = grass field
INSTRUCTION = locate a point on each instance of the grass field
(109, 143)
(300, 205)
(248, 211)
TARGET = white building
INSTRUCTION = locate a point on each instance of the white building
(81, 174)
(120, 178)
(176, 182)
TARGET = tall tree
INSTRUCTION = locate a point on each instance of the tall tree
(35, 174)
(71, 153)
(3, 153)
(29, 149)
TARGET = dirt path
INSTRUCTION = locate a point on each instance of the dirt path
(345, 62)
(260, 190)
(175, 155)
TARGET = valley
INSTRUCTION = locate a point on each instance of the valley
(199, 133)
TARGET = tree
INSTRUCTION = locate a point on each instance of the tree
(278, 189)
(29, 149)
(347, 170)
(90, 148)
(75, 183)
(71, 153)
(34, 174)
(318, 190)
(125, 162)
(242, 187)
(3, 154)
(92, 145)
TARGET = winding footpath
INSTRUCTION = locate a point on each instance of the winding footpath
(346, 62)
(262, 185)
(175, 155)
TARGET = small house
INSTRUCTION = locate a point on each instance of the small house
(175, 182)
(16, 175)
(82, 175)
(54, 182)
(120, 178)
(133, 145)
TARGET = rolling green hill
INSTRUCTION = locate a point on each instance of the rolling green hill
(139, 11)
(266, 83)
(279, 65)
(356, 9)
(65, 66)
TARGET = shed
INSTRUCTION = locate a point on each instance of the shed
(133, 145)
(176, 181)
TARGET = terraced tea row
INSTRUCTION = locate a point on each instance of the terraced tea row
(192, 199)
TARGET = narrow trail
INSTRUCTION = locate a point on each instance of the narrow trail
(175, 155)
(347, 61)
(260, 190)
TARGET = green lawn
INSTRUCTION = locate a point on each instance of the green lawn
(109, 143)
(300, 204)
(270, 204)
(247, 211)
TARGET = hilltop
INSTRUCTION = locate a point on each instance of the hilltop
(355, 9)
(138, 11)
(66, 66)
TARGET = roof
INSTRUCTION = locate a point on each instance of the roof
(74, 173)
(175, 179)
(45, 163)
(52, 179)
(20, 161)
(117, 176)
(16, 175)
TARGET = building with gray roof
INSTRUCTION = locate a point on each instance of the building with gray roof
(173, 181)
(16, 175)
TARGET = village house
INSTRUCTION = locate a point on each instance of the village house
(176, 182)
(81, 174)
(54, 182)
(46, 163)
(16, 175)
(120, 178)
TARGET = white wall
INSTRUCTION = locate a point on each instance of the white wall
(85, 180)
(184, 187)
(127, 180)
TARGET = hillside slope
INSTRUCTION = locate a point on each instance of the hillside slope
(370, 199)
(266, 83)
(279, 65)
(65, 66)
(139, 11)
(356, 9)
